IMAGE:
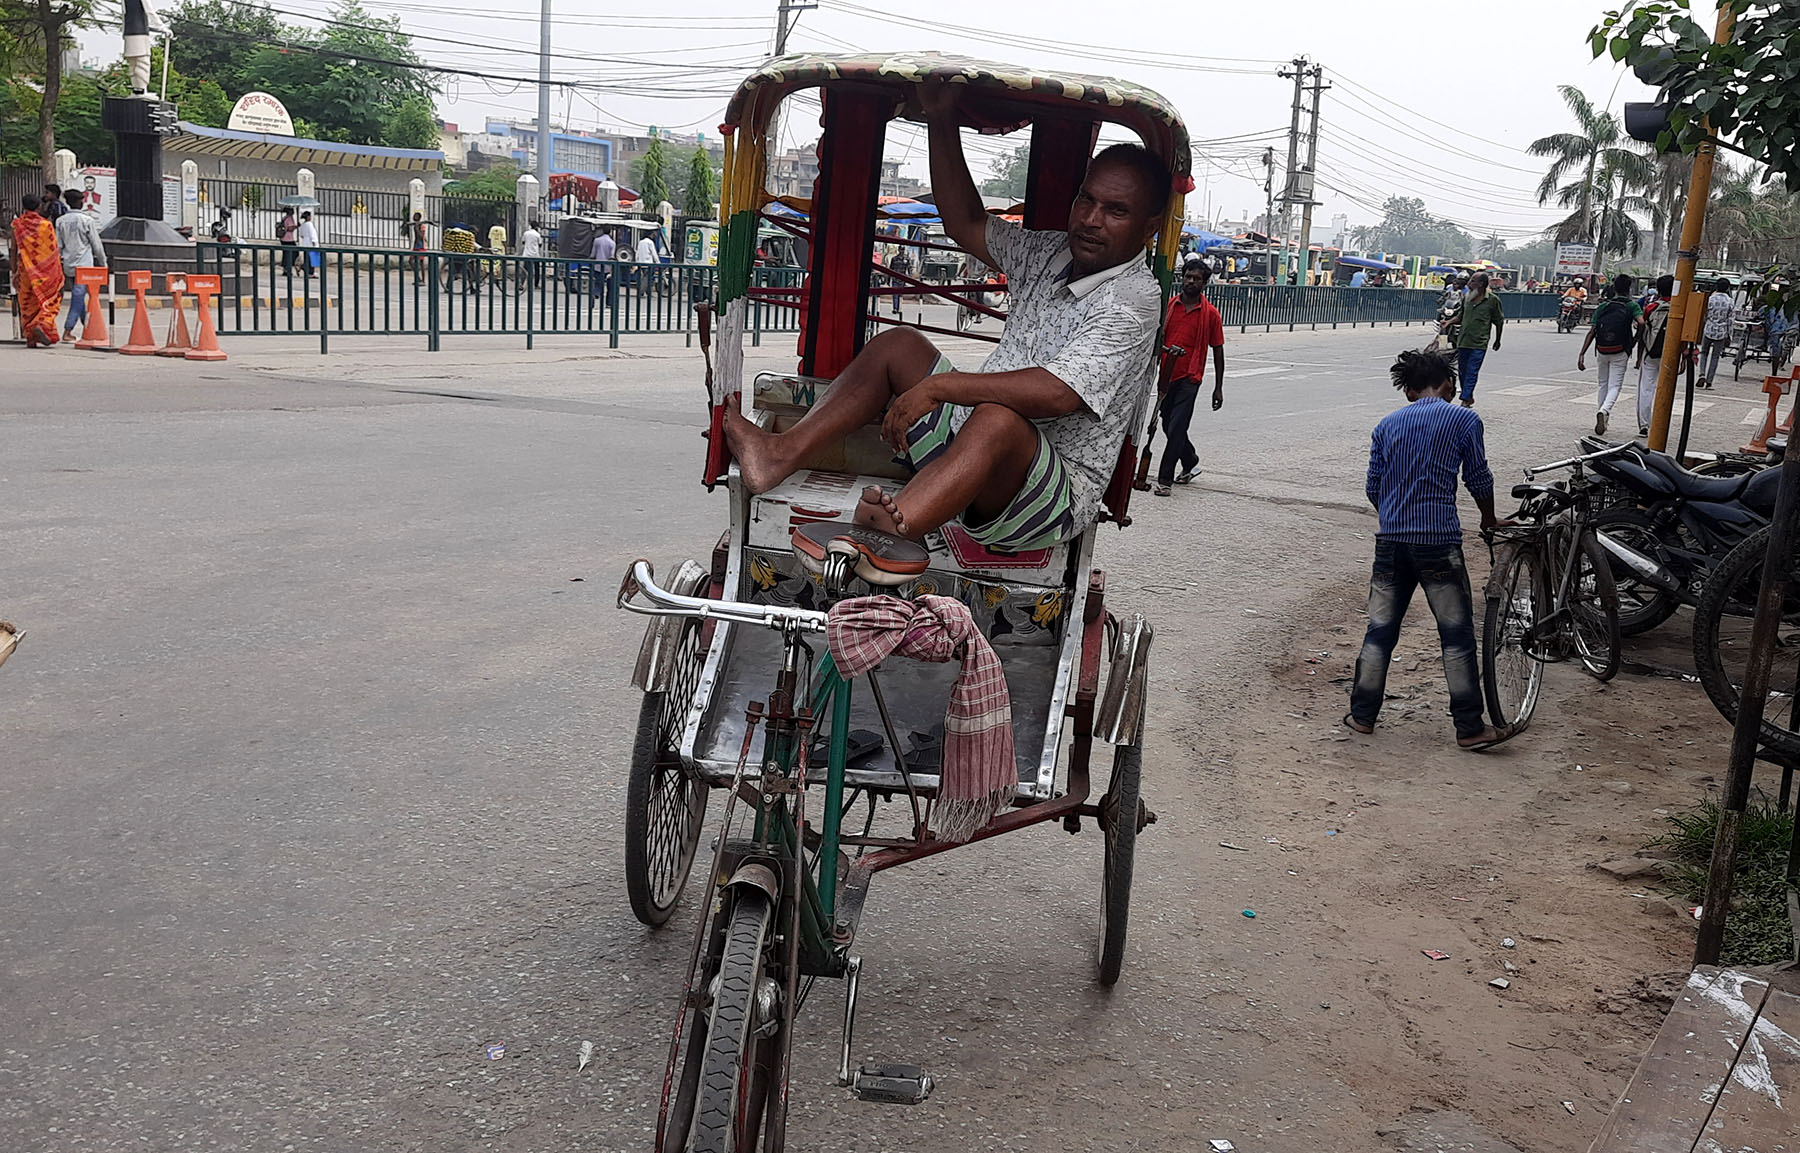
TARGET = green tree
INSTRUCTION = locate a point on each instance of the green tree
(496, 180)
(650, 175)
(1493, 248)
(1406, 227)
(216, 39)
(206, 103)
(697, 197)
(1603, 169)
(78, 119)
(1008, 174)
(413, 125)
(37, 31)
(1748, 89)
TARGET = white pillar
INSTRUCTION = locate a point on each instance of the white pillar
(415, 197)
(667, 212)
(526, 191)
(303, 182)
(64, 167)
(190, 196)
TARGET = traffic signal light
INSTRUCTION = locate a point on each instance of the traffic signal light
(1651, 122)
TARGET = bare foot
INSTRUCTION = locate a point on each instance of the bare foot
(756, 452)
(878, 511)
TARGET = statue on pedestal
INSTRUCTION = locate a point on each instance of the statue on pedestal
(140, 21)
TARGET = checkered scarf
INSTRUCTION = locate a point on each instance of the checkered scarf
(978, 775)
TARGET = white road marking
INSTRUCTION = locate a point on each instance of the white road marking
(1750, 417)
(1240, 373)
(1529, 389)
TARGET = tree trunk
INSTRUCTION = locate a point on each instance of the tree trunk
(51, 30)
(1587, 199)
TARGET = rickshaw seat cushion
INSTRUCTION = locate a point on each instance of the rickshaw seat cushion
(881, 551)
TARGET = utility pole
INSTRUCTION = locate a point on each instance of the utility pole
(1307, 202)
(1687, 258)
(1269, 199)
(543, 115)
(1293, 161)
(782, 27)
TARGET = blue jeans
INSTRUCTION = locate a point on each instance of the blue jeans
(77, 306)
(1399, 569)
(1468, 369)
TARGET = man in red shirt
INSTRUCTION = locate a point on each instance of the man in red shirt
(1191, 327)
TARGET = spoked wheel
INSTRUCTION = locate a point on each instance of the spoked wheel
(1119, 818)
(1722, 623)
(1510, 673)
(1642, 605)
(665, 804)
(1594, 609)
(731, 1095)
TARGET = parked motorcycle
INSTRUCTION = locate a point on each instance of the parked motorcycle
(220, 230)
(1671, 527)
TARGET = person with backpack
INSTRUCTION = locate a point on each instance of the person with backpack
(1651, 339)
(1481, 316)
(1616, 325)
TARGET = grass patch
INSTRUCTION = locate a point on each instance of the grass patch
(1758, 931)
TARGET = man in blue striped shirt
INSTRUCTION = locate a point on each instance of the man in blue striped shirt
(1413, 462)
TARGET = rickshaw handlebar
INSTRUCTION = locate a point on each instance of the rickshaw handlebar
(640, 580)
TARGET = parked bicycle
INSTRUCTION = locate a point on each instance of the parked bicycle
(1550, 595)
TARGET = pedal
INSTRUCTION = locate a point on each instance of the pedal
(892, 1084)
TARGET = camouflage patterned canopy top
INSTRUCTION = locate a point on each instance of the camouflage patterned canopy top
(1011, 93)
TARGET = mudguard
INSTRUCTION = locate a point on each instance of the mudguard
(1120, 717)
(656, 656)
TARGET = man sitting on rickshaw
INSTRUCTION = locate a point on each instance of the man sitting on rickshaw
(1021, 450)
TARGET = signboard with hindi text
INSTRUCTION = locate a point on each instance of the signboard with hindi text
(260, 112)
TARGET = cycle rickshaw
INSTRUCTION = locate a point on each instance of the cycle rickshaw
(821, 792)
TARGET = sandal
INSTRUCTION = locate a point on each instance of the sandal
(1350, 722)
(1482, 744)
(1161, 490)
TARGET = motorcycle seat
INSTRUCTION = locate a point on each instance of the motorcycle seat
(1714, 489)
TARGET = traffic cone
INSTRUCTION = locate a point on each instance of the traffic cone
(94, 334)
(142, 342)
(179, 341)
(206, 343)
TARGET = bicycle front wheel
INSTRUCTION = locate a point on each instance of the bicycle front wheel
(1594, 609)
(1511, 675)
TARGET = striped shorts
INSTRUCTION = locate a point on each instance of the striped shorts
(1041, 514)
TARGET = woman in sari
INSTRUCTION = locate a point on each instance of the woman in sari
(37, 274)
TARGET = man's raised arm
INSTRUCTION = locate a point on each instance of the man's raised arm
(958, 200)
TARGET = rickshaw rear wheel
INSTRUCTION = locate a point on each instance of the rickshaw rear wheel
(1119, 820)
(665, 804)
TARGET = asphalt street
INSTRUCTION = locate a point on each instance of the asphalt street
(314, 759)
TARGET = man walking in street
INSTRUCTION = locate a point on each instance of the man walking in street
(51, 206)
(1191, 327)
(1617, 323)
(78, 240)
(531, 244)
(1716, 337)
(1481, 316)
(1413, 462)
(602, 254)
(1651, 339)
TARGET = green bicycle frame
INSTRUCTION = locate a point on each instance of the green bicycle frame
(775, 819)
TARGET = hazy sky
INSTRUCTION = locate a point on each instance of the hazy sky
(1429, 99)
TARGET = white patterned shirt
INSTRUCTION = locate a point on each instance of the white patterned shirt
(1718, 316)
(1096, 334)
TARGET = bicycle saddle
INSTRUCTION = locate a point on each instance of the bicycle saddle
(877, 557)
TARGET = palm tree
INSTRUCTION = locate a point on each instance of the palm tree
(1601, 164)
(1493, 248)
(1733, 215)
(1667, 192)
